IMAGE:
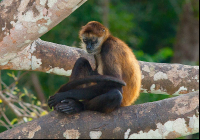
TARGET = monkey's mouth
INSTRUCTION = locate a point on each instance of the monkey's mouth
(90, 51)
(93, 51)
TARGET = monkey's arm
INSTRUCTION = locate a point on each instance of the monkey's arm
(69, 91)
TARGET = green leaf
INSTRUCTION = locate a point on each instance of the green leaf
(22, 95)
(44, 113)
(25, 91)
(14, 121)
(14, 92)
(9, 74)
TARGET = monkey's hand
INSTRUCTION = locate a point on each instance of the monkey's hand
(55, 99)
(69, 106)
(60, 96)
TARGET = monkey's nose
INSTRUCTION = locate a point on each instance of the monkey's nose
(89, 47)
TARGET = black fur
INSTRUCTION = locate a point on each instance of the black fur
(104, 96)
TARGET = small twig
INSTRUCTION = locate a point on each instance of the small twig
(4, 124)
(21, 110)
(4, 85)
(25, 108)
(7, 88)
(32, 109)
(7, 120)
(11, 95)
(10, 105)
(11, 85)
(29, 105)
(38, 88)
(17, 79)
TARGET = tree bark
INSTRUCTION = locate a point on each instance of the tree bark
(159, 78)
(23, 21)
(168, 118)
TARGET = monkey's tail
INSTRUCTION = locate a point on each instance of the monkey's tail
(92, 79)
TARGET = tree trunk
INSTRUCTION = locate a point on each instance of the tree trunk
(105, 12)
(187, 35)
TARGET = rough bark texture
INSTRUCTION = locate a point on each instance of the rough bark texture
(162, 78)
(169, 118)
(157, 78)
(47, 57)
(23, 21)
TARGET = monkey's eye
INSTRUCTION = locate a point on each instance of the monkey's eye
(85, 40)
(94, 40)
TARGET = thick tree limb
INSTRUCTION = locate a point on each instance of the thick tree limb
(46, 57)
(169, 118)
(23, 21)
(59, 59)
(162, 78)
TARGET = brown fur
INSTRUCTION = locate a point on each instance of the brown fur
(115, 59)
(99, 31)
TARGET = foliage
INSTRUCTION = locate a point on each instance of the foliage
(17, 105)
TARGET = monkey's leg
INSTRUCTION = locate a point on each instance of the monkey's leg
(68, 102)
(106, 102)
(79, 94)
(81, 69)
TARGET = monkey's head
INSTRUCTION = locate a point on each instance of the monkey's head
(92, 35)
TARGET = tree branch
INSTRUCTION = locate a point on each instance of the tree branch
(157, 78)
(168, 118)
(22, 22)
(173, 79)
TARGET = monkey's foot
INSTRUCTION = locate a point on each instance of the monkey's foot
(69, 106)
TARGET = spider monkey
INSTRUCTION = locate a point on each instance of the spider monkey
(116, 66)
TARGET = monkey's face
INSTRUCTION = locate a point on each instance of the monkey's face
(92, 44)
